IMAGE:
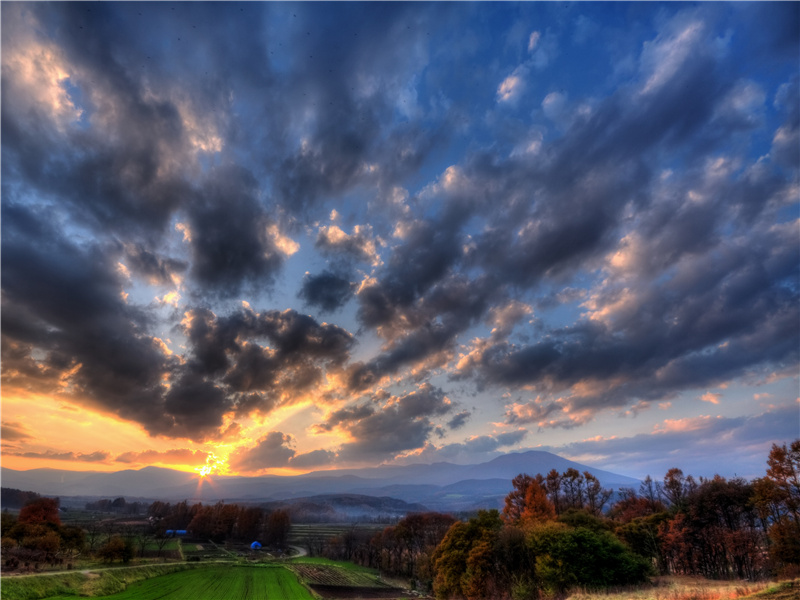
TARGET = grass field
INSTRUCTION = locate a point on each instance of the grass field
(217, 582)
(318, 560)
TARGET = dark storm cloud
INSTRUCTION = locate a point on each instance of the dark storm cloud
(241, 124)
(193, 408)
(230, 235)
(150, 266)
(293, 337)
(717, 317)
(459, 420)
(350, 73)
(109, 177)
(270, 451)
(427, 252)
(327, 290)
(545, 218)
(381, 431)
(425, 330)
(77, 319)
(315, 458)
(256, 377)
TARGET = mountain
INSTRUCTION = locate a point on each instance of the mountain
(438, 486)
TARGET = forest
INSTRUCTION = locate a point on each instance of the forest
(559, 531)
(556, 532)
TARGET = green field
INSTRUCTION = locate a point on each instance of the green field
(219, 583)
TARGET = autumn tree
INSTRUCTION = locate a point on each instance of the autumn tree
(465, 561)
(596, 495)
(777, 499)
(276, 528)
(42, 510)
(528, 502)
(515, 500)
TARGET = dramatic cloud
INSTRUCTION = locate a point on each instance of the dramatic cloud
(272, 450)
(359, 245)
(744, 441)
(327, 290)
(67, 456)
(178, 456)
(552, 215)
(14, 432)
(388, 426)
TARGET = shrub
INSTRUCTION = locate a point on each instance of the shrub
(566, 558)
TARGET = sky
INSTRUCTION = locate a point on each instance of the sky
(254, 238)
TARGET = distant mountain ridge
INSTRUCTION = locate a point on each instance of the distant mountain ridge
(438, 486)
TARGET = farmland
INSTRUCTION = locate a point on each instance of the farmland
(333, 579)
(220, 583)
(305, 534)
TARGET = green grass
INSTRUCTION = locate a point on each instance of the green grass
(87, 583)
(318, 560)
(219, 583)
(171, 545)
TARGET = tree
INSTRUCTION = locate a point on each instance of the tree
(528, 501)
(42, 510)
(465, 562)
(553, 487)
(778, 501)
(651, 491)
(248, 524)
(605, 561)
(784, 470)
(115, 549)
(276, 530)
(596, 495)
(515, 501)
(573, 486)
(675, 488)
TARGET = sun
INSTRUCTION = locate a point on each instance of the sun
(214, 464)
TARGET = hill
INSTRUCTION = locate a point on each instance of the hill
(438, 486)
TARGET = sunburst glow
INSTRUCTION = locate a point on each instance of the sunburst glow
(214, 464)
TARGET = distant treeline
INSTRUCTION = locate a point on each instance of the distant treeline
(220, 522)
(12, 498)
(118, 506)
(36, 536)
(556, 532)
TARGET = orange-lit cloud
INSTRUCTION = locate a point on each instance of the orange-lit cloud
(711, 397)
(180, 456)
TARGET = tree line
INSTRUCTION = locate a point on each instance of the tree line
(562, 530)
(36, 535)
(221, 522)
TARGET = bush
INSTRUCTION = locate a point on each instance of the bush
(566, 558)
